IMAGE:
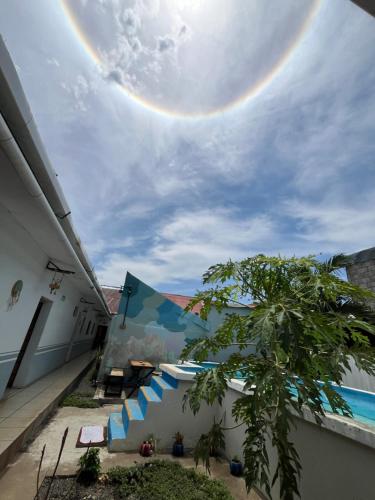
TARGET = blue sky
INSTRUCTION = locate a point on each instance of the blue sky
(166, 165)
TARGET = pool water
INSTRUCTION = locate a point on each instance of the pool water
(209, 364)
(361, 403)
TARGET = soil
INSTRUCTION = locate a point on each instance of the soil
(67, 488)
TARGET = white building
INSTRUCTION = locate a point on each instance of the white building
(43, 322)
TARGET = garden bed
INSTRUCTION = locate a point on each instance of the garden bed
(156, 480)
(82, 396)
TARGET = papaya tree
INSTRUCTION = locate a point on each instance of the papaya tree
(291, 346)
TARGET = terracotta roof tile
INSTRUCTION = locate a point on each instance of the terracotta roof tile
(113, 296)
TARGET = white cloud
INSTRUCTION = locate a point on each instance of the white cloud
(334, 227)
(79, 91)
(166, 43)
(53, 61)
(187, 244)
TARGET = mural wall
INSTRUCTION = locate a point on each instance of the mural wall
(155, 328)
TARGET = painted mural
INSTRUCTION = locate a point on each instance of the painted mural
(150, 327)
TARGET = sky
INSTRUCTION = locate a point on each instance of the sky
(188, 133)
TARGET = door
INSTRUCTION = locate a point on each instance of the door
(25, 343)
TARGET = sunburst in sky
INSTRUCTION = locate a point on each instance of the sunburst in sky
(187, 133)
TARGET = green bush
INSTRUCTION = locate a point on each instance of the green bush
(80, 401)
(165, 480)
(89, 466)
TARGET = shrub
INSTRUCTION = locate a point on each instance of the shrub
(165, 480)
(89, 466)
(80, 401)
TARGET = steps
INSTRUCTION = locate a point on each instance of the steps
(160, 385)
(129, 421)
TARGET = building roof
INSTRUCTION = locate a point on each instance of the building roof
(113, 296)
(183, 301)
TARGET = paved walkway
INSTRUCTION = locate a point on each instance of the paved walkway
(22, 411)
(12, 487)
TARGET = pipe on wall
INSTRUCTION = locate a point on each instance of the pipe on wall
(16, 158)
(20, 122)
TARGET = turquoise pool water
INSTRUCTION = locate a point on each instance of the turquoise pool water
(209, 364)
(362, 403)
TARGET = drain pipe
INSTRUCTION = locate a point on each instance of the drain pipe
(16, 158)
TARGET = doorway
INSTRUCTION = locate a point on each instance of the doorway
(35, 323)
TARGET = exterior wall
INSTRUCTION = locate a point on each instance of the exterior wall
(165, 419)
(22, 259)
(362, 273)
(215, 319)
(333, 466)
(358, 378)
(156, 329)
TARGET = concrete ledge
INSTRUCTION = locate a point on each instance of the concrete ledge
(23, 411)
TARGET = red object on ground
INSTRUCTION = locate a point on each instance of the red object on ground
(146, 449)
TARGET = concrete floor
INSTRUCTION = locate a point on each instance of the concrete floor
(19, 480)
(22, 411)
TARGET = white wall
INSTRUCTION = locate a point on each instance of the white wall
(333, 466)
(22, 259)
(358, 378)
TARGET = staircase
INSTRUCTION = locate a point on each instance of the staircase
(126, 428)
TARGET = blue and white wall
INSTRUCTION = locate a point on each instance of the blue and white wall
(156, 329)
(61, 335)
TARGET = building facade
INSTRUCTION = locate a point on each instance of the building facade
(50, 301)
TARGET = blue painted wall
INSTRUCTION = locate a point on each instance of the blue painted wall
(156, 329)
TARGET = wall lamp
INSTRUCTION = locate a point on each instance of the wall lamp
(128, 291)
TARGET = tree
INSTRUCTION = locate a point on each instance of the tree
(295, 341)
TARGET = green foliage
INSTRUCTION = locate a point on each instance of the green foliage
(89, 466)
(209, 444)
(165, 480)
(80, 401)
(306, 323)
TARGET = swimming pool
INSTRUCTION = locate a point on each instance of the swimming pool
(362, 403)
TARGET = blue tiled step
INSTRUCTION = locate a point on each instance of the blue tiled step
(150, 394)
(132, 409)
(169, 379)
(160, 385)
(146, 396)
(116, 428)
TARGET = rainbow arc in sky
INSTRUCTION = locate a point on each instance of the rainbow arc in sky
(241, 99)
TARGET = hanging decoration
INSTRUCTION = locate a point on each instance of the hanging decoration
(58, 276)
(55, 283)
(15, 294)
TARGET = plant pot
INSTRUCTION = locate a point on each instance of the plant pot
(178, 450)
(146, 449)
(236, 468)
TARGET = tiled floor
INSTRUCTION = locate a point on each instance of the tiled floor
(23, 410)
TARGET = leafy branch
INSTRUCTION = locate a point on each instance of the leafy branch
(306, 325)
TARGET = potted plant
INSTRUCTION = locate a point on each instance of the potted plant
(235, 466)
(178, 445)
(146, 449)
(153, 441)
